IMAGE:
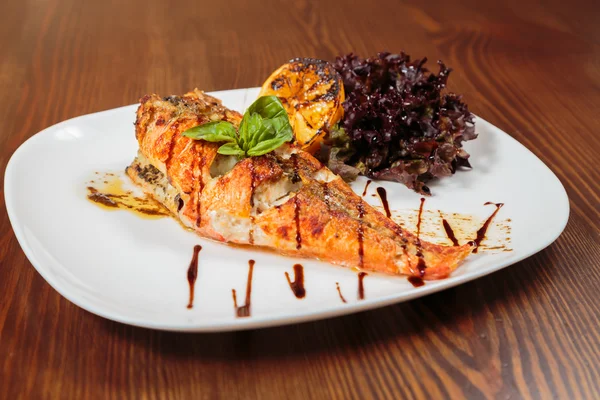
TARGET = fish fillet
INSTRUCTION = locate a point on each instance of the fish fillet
(286, 200)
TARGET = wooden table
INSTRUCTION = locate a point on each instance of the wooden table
(528, 331)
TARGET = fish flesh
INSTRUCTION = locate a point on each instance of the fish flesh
(286, 200)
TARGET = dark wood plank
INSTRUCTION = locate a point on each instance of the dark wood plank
(529, 331)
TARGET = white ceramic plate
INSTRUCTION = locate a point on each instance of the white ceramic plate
(133, 270)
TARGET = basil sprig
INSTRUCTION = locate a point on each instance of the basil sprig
(264, 127)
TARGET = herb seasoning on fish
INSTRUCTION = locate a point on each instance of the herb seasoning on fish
(419, 220)
(326, 194)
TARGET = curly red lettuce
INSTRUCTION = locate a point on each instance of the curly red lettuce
(397, 124)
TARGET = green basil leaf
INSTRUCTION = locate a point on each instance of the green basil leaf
(218, 131)
(266, 146)
(248, 128)
(274, 130)
(282, 127)
(268, 130)
(231, 149)
(243, 130)
(255, 126)
(268, 107)
(264, 127)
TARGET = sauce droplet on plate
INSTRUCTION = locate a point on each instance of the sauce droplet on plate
(416, 281)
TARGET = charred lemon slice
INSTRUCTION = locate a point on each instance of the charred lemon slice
(312, 93)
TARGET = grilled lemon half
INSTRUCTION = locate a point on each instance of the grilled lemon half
(312, 93)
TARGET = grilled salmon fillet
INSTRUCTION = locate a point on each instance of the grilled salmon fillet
(286, 200)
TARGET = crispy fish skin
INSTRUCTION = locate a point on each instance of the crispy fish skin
(286, 200)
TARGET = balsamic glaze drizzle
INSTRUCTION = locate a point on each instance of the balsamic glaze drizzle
(416, 281)
(419, 218)
(366, 187)
(421, 266)
(174, 127)
(383, 196)
(360, 235)
(481, 232)
(192, 274)
(200, 166)
(244, 311)
(297, 285)
(449, 231)
(361, 285)
(252, 189)
(337, 285)
(297, 178)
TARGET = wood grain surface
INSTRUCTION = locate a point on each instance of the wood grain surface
(529, 331)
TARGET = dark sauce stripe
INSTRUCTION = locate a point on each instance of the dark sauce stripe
(244, 311)
(337, 285)
(419, 220)
(297, 285)
(361, 285)
(421, 266)
(192, 274)
(449, 231)
(482, 231)
(383, 196)
(252, 188)
(174, 135)
(420, 217)
(366, 187)
(296, 178)
(201, 165)
(416, 281)
(360, 235)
